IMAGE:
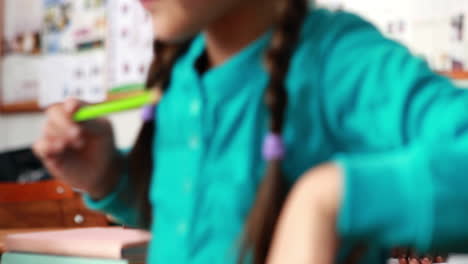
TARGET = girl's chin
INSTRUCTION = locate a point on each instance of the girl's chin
(172, 33)
(148, 4)
(170, 38)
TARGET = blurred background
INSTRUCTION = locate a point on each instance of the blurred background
(52, 49)
(92, 49)
(433, 29)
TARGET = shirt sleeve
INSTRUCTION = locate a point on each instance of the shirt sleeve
(402, 132)
(118, 203)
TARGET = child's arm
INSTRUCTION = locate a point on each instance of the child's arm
(118, 203)
(84, 155)
(403, 134)
(306, 230)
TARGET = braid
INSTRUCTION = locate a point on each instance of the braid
(140, 158)
(273, 190)
(160, 69)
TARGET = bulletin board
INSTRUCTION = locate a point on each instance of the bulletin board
(434, 29)
(95, 50)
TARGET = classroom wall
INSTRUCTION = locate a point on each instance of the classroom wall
(416, 23)
(21, 130)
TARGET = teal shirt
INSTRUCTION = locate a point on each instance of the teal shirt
(355, 97)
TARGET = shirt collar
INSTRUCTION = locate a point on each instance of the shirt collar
(245, 63)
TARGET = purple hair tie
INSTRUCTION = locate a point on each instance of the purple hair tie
(273, 147)
(148, 112)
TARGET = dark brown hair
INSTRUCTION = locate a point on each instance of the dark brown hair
(273, 190)
(140, 160)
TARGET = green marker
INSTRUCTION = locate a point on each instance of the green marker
(99, 110)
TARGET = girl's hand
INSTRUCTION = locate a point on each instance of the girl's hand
(306, 229)
(82, 154)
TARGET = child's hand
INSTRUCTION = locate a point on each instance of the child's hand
(82, 154)
(306, 229)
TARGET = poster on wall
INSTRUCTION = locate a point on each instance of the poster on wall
(53, 49)
(330, 4)
(130, 47)
(73, 63)
(21, 30)
(81, 76)
(73, 25)
(20, 47)
(23, 73)
(435, 30)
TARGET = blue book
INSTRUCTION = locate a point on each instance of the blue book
(27, 258)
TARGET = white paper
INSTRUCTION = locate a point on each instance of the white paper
(129, 46)
(19, 21)
(23, 21)
(427, 26)
(65, 68)
(72, 25)
(20, 78)
(79, 75)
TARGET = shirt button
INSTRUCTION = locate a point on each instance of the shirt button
(194, 143)
(187, 185)
(195, 107)
(182, 228)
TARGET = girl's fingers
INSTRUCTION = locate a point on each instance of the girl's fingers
(61, 125)
(62, 122)
(53, 131)
(71, 105)
(46, 149)
(61, 133)
(54, 139)
(96, 126)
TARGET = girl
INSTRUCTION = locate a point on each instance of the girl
(256, 93)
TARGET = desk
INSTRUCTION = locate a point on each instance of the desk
(5, 232)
